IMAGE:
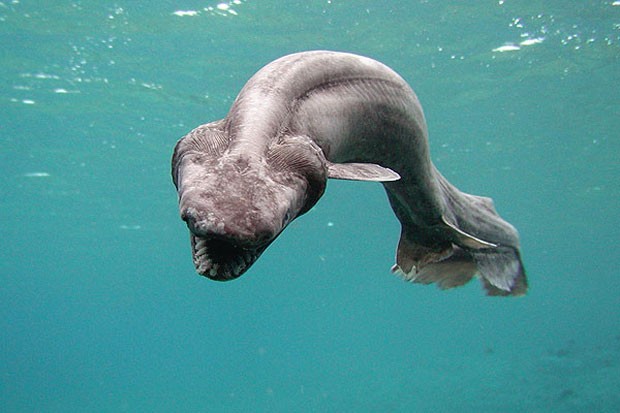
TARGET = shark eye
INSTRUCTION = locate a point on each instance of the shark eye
(287, 218)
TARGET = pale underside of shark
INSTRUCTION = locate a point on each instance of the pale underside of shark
(311, 116)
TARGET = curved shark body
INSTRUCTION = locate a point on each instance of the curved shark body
(311, 116)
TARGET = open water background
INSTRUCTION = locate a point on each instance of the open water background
(100, 308)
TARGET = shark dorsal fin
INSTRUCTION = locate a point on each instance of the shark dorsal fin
(468, 240)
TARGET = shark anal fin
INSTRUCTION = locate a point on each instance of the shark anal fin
(447, 267)
(499, 268)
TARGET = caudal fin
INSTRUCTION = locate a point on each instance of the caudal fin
(501, 271)
(499, 268)
(471, 240)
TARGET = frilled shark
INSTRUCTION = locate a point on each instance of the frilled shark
(310, 116)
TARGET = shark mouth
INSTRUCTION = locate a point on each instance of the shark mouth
(222, 260)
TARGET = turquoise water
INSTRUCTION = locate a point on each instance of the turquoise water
(101, 310)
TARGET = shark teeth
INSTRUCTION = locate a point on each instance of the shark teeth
(200, 248)
(220, 262)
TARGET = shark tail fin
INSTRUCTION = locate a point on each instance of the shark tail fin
(472, 240)
(499, 268)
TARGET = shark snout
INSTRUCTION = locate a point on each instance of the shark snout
(238, 230)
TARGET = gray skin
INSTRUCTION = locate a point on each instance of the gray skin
(311, 116)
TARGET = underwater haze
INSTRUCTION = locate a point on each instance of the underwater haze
(101, 309)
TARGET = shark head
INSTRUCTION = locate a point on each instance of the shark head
(236, 203)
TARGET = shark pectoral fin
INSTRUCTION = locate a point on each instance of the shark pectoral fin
(361, 172)
(467, 240)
